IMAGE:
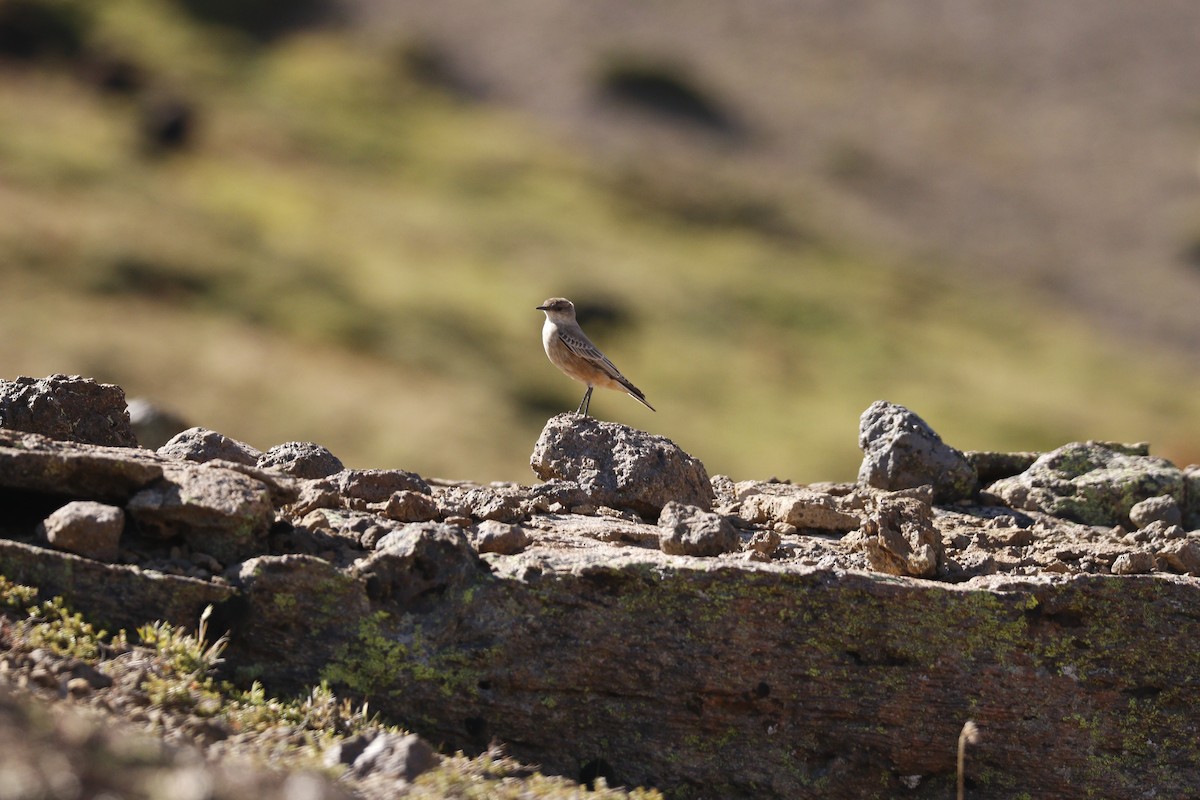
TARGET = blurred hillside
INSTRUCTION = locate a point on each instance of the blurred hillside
(338, 233)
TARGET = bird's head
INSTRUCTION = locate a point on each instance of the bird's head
(558, 309)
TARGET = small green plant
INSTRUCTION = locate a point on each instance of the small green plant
(14, 595)
(188, 655)
(53, 626)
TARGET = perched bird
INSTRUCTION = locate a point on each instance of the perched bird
(569, 349)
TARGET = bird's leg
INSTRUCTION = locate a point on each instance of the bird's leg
(585, 402)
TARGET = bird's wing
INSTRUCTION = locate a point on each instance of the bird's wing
(581, 346)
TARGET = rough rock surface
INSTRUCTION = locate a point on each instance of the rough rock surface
(1096, 483)
(692, 531)
(86, 528)
(618, 466)
(901, 451)
(202, 445)
(218, 511)
(805, 662)
(797, 506)
(301, 460)
(500, 538)
(899, 538)
(69, 408)
(390, 754)
(1156, 509)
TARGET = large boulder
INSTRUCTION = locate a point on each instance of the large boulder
(901, 451)
(619, 466)
(1096, 483)
(69, 408)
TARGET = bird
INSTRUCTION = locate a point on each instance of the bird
(569, 349)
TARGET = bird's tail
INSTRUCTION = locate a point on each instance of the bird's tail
(637, 394)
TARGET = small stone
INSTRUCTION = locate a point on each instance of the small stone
(764, 542)
(395, 756)
(500, 538)
(202, 445)
(86, 528)
(1163, 508)
(899, 538)
(78, 687)
(409, 506)
(1136, 563)
(301, 460)
(1181, 555)
(693, 531)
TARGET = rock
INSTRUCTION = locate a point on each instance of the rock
(765, 503)
(375, 485)
(296, 612)
(397, 756)
(202, 445)
(899, 538)
(67, 408)
(301, 460)
(1136, 563)
(483, 502)
(36, 463)
(421, 560)
(619, 466)
(764, 543)
(359, 489)
(1181, 555)
(901, 451)
(153, 426)
(215, 510)
(500, 538)
(409, 506)
(1096, 483)
(1155, 509)
(113, 595)
(86, 528)
(345, 751)
(692, 531)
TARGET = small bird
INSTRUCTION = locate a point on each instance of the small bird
(569, 349)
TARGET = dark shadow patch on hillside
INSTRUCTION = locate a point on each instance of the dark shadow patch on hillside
(666, 90)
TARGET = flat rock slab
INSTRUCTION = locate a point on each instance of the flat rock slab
(37, 463)
(113, 595)
(715, 680)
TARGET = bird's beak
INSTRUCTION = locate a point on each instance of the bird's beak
(540, 308)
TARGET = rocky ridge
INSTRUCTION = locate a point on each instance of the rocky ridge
(633, 618)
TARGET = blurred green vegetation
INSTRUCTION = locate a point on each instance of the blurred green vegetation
(342, 252)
